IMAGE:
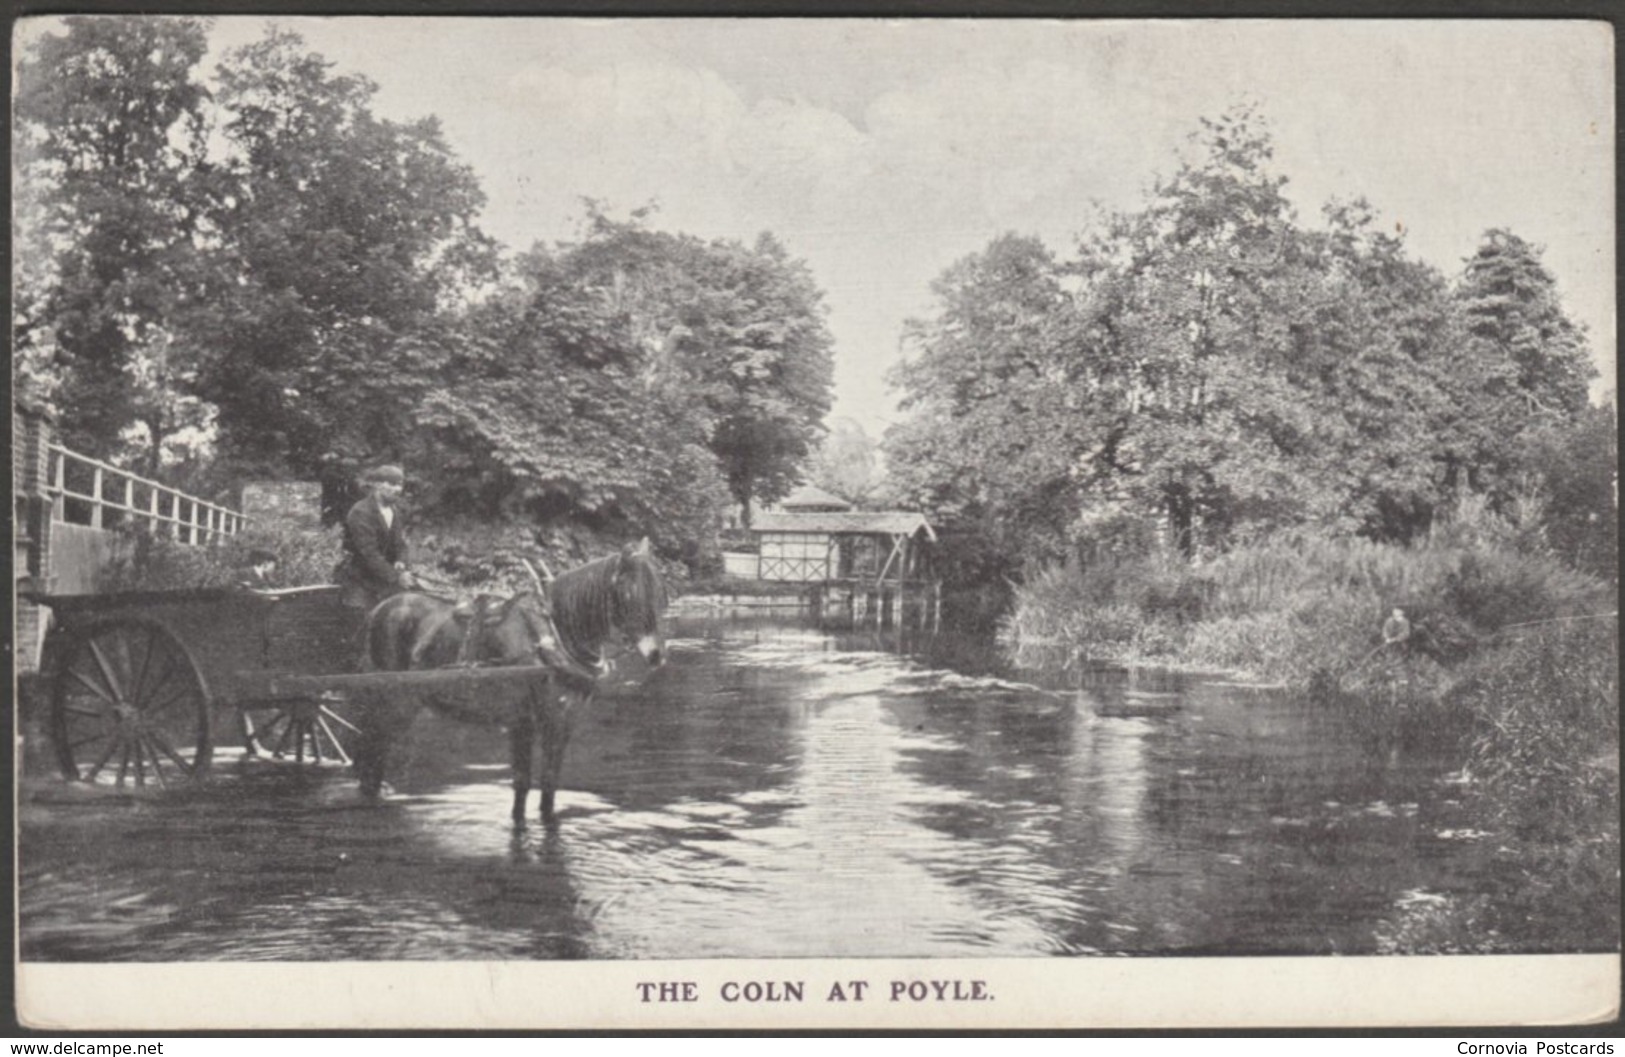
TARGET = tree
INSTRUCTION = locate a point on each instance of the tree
(1143, 376)
(352, 243)
(847, 463)
(990, 441)
(1372, 337)
(1513, 313)
(561, 411)
(549, 404)
(1524, 365)
(1573, 468)
(1187, 298)
(742, 327)
(768, 372)
(612, 379)
(116, 192)
(1209, 365)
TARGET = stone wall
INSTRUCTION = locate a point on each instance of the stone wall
(277, 506)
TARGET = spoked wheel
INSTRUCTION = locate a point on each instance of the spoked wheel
(129, 706)
(313, 730)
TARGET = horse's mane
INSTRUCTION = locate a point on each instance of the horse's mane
(584, 601)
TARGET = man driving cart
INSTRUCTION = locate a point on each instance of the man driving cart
(375, 548)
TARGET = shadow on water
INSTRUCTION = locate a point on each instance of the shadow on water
(780, 789)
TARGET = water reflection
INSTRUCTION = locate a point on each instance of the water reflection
(784, 790)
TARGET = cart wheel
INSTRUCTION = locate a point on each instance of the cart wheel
(309, 730)
(129, 704)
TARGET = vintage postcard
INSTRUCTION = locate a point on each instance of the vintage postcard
(763, 523)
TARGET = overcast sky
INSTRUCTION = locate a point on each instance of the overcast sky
(882, 151)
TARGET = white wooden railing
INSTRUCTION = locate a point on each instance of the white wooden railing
(86, 491)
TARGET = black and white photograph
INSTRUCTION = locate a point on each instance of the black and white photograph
(566, 523)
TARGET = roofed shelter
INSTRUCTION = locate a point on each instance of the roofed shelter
(871, 547)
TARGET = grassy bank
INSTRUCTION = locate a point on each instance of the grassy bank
(1299, 610)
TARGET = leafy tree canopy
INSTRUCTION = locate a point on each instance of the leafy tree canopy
(114, 191)
(1212, 366)
(267, 262)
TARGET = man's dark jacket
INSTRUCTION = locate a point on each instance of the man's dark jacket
(371, 549)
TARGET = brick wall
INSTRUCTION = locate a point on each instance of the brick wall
(27, 642)
(31, 431)
(30, 528)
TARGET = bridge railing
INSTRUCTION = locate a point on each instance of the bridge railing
(86, 491)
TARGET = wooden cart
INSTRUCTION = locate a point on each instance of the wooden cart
(141, 683)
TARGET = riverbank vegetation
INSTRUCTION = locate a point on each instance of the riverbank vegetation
(1304, 609)
(1213, 435)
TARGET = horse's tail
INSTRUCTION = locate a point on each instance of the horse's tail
(373, 656)
(390, 635)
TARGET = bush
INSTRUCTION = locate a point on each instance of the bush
(1115, 608)
(464, 557)
(145, 562)
(1274, 645)
(486, 555)
(1301, 609)
(1491, 589)
(1546, 706)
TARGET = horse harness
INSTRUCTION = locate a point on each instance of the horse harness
(477, 616)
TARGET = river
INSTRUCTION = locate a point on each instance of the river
(781, 790)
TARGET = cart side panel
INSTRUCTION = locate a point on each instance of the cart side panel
(226, 638)
(311, 633)
(237, 638)
(221, 630)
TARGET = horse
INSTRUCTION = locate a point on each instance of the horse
(612, 601)
(414, 632)
(563, 626)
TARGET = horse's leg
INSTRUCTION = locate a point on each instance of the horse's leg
(385, 721)
(556, 738)
(550, 773)
(371, 748)
(370, 768)
(521, 734)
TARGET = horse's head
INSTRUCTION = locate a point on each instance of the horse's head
(638, 597)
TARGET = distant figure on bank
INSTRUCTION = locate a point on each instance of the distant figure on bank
(374, 562)
(1396, 628)
(261, 572)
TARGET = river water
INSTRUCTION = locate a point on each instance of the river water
(781, 790)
